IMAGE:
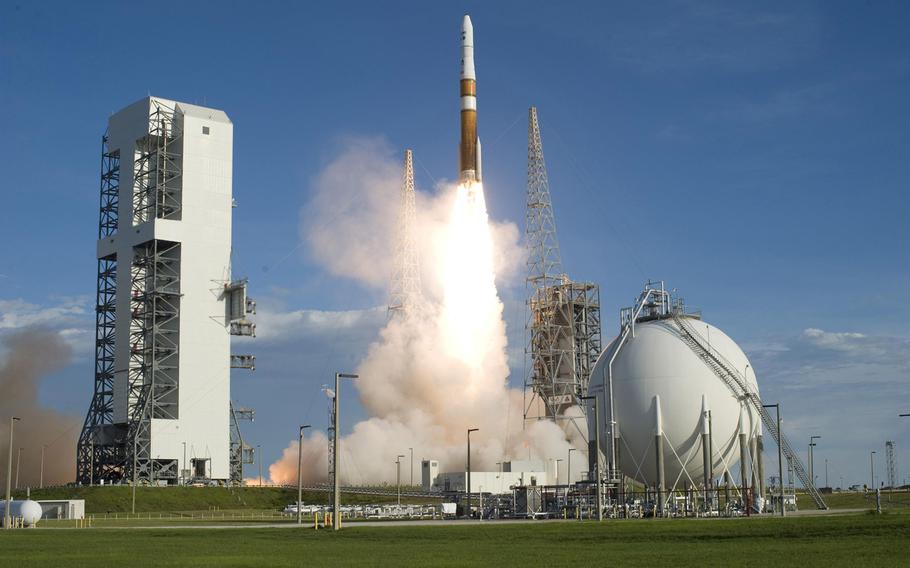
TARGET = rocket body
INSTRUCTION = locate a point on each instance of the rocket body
(469, 150)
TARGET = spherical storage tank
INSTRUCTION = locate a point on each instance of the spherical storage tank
(29, 511)
(657, 372)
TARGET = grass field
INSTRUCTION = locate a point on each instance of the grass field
(843, 540)
(118, 499)
(184, 500)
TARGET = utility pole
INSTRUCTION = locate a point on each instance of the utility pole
(259, 459)
(41, 479)
(18, 459)
(812, 444)
(468, 488)
(872, 467)
(300, 473)
(336, 482)
(398, 468)
(9, 474)
(412, 466)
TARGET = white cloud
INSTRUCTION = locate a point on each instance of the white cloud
(846, 386)
(275, 326)
(70, 316)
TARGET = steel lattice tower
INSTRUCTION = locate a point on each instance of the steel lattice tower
(891, 457)
(330, 433)
(544, 262)
(564, 320)
(406, 285)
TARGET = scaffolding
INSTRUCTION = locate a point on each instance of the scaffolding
(153, 372)
(406, 286)
(564, 327)
(158, 180)
(97, 459)
(238, 305)
(241, 452)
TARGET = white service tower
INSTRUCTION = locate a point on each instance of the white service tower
(166, 305)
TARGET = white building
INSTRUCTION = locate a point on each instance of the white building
(62, 509)
(167, 305)
(498, 482)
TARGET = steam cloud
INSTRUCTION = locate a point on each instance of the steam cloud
(442, 368)
(31, 355)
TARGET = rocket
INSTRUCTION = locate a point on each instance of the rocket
(469, 161)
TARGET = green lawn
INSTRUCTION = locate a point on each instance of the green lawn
(858, 500)
(842, 540)
(118, 499)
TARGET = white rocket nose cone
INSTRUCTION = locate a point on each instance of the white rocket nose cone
(467, 31)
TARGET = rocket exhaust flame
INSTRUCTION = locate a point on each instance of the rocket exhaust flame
(468, 276)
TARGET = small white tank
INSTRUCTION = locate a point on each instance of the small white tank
(29, 511)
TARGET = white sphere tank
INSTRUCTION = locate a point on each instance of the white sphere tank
(656, 362)
(29, 511)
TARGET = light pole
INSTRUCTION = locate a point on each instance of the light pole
(9, 473)
(780, 459)
(336, 482)
(600, 507)
(468, 488)
(18, 459)
(812, 444)
(398, 469)
(300, 473)
(826, 473)
(569, 466)
(41, 479)
(872, 467)
(412, 466)
(259, 459)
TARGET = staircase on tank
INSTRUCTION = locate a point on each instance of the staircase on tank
(736, 382)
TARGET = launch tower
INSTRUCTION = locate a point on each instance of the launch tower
(564, 332)
(166, 303)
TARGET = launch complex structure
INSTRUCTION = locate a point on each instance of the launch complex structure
(564, 325)
(167, 305)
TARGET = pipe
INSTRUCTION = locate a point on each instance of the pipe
(743, 451)
(659, 446)
(706, 448)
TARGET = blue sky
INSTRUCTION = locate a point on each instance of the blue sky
(754, 155)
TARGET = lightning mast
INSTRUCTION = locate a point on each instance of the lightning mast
(564, 321)
(405, 287)
(891, 457)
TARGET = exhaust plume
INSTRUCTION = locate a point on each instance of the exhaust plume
(30, 356)
(441, 367)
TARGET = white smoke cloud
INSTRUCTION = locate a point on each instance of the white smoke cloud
(443, 367)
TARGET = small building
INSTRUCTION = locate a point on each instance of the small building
(63, 509)
(514, 473)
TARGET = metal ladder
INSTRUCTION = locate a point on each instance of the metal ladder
(736, 382)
